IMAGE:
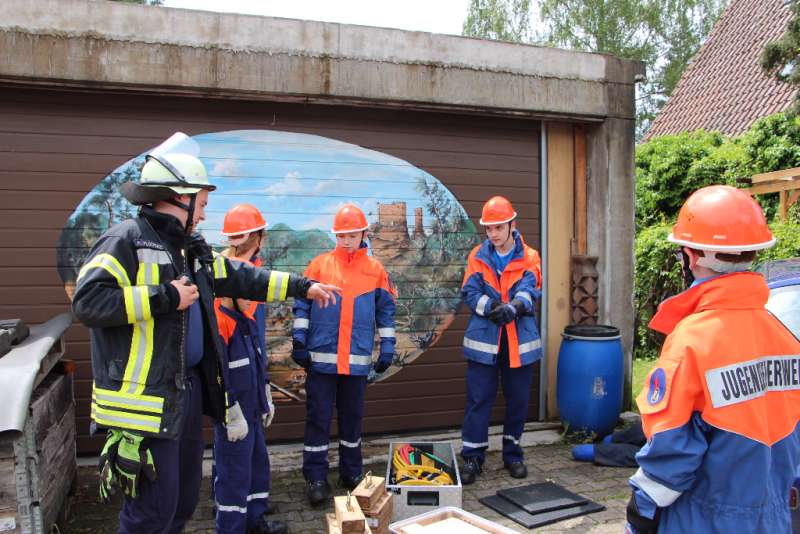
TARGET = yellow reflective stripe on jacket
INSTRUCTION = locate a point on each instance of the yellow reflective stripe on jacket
(110, 264)
(278, 285)
(122, 419)
(119, 399)
(140, 357)
(220, 270)
(147, 274)
(137, 303)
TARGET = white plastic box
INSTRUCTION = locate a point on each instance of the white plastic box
(414, 500)
(437, 521)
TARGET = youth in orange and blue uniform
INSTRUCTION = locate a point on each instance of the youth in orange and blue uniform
(512, 348)
(721, 410)
(241, 478)
(338, 341)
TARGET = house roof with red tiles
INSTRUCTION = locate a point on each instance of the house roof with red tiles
(724, 87)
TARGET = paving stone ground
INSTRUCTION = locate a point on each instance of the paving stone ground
(607, 486)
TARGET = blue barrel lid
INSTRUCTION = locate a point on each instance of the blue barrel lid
(594, 332)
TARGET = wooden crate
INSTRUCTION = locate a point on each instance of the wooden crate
(38, 466)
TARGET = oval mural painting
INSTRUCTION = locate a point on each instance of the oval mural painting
(418, 229)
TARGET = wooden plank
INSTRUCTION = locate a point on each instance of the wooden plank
(560, 178)
(785, 174)
(580, 190)
(349, 516)
(787, 185)
(783, 207)
(49, 402)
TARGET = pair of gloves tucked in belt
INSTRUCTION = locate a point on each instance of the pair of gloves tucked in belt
(236, 424)
(302, 357)
(125, 459)
(502, 314)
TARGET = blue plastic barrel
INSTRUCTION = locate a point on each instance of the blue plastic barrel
(590, 378)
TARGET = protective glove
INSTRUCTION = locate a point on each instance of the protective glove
(383, 362)
(300, 355)
(503, 314)
(266, 419)
(199, 249)
(107, 460)
(134, 459)
(638, 523)
(235, 423)
(519, 306)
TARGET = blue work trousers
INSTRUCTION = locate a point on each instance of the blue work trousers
(481, 393)
(322, 391)
(241, 479)
(166, 504)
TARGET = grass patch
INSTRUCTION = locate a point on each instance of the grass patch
(640, 370)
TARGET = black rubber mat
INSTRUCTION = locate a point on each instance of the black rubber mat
(515, 513)
(542, 497)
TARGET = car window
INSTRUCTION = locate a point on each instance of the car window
(784, 303)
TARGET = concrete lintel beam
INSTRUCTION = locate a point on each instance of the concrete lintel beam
(100, 43)
(99, 61)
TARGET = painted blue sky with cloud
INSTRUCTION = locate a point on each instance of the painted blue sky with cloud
(301, 179)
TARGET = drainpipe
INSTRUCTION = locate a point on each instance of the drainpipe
(543, 227)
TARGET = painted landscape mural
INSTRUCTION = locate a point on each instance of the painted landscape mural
(418, 229)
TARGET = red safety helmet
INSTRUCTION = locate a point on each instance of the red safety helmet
(497, 210)
(720, 218)
(349, 218)
(242, 219)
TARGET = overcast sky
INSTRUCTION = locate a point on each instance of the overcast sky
(437, 16)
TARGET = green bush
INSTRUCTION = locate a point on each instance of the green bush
(788, 245)
(663, 178)
(668, 170)
(658, 276)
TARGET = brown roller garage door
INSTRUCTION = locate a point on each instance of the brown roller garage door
(55, 146)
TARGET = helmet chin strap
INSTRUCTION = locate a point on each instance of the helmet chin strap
(189, 208)
(688, 275)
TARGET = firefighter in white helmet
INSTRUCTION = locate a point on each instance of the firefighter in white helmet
(146, 290)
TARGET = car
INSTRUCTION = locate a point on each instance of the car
(783, 279)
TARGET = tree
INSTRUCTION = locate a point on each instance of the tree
(781, 58)
(665, 34)
(501, 20)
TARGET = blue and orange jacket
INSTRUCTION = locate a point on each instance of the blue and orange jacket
(340, 337)
(242, 333)
(721, 410)
(482, 287)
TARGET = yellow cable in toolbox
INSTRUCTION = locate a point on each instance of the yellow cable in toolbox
(414, 474)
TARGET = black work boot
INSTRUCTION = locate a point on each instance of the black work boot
(265, 526)
(470, 471)
(318, 492)
(350, 483)
(517, 469)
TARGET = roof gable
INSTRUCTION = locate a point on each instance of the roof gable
(724, 87)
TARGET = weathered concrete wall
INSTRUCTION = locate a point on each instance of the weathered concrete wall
(80, 42)
(610, 207)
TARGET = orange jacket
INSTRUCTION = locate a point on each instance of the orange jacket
(721, 410)
(482, 287)
(340, 337)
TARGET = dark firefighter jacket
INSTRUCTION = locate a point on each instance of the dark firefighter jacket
(138, 338)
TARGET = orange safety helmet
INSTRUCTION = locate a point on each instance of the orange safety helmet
(497, 210)
(720, 218)
(242, 219)
(349, 218)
